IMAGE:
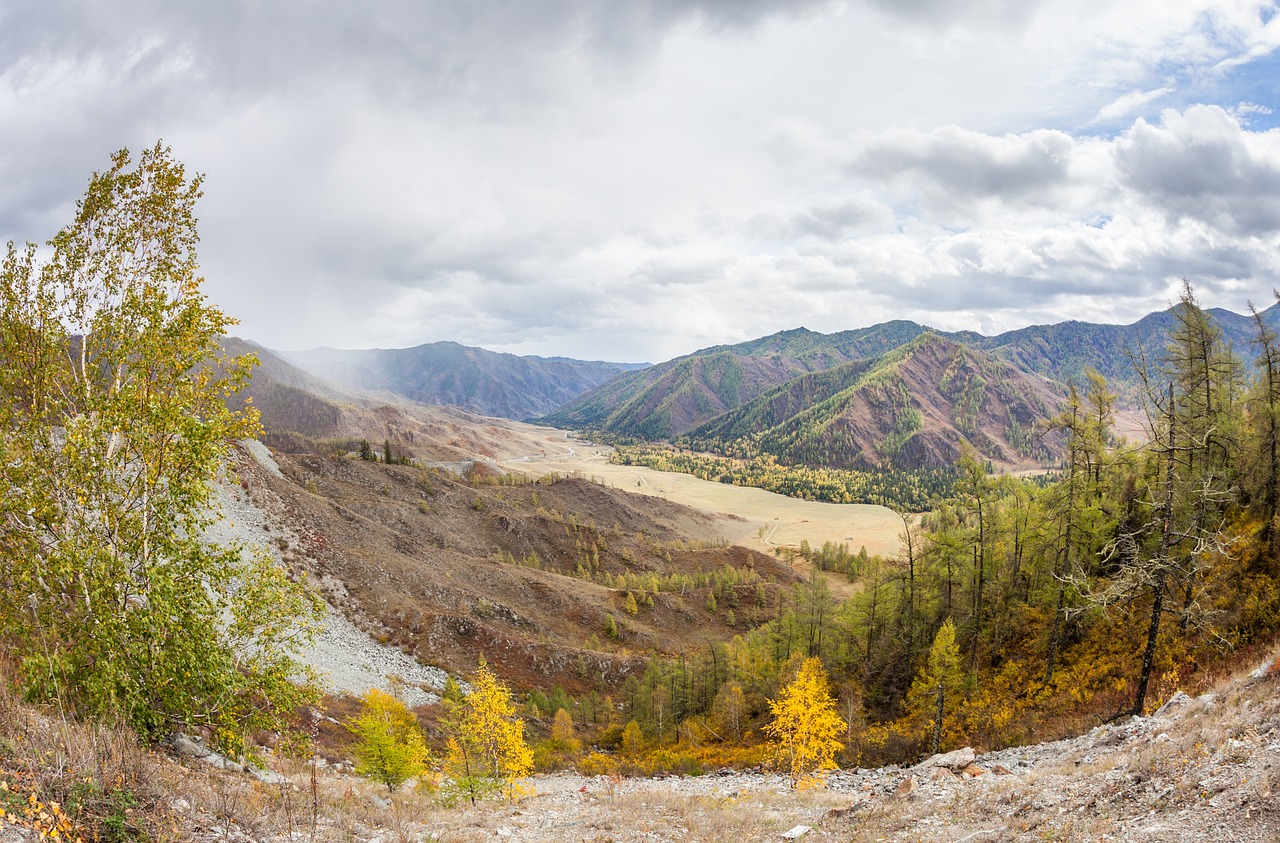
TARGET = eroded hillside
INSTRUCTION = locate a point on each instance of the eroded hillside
(525, 575)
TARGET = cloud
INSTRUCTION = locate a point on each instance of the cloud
(1201, 165)
(953, 169)
(631, 180)
(1127, 104)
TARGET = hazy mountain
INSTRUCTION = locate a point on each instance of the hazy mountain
(474, 379)
(304, 413)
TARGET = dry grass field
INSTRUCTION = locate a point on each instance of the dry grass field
(753, 518)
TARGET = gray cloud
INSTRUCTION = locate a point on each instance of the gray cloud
(1200, 165)
(637, 179)
(953, 168)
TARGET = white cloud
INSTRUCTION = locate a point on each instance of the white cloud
(634, 180)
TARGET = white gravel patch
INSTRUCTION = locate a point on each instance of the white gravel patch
(351, 662)
(262, 455)
(347, 659)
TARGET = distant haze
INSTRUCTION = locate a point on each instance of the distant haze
(633, 181)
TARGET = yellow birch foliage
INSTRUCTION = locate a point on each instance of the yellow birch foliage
(487, 748)
(806, 726)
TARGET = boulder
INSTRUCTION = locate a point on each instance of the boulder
(955, 760)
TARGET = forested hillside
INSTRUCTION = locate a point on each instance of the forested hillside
(709, 391)
(1017, 612)
(918, 406)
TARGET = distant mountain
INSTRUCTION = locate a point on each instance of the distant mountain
(1062, 351)
(673, 398)
(302, 413)
(474, 379)
(916, 406)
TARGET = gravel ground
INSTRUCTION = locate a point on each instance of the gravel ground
(347, 659)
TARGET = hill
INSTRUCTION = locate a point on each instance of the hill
(672, 398)
(305, 413)
(473, 379)
(1064, 350)
(917, 406)
(524, 574)
(675, 398)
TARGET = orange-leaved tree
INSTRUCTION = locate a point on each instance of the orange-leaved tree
(806, 726)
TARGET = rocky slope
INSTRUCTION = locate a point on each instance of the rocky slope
(1199, 769)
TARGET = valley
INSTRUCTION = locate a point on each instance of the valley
(749, 517)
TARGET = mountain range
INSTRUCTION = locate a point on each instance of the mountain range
(894, 394)
(474, 379)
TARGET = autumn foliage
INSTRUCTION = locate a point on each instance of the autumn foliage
(806, 728)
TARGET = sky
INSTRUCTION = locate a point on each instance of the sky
(631, 180)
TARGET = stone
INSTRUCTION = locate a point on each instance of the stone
(954, 760)
(797, 832)
(1177, 701)
(908, 786)
(1001, 770)
(974, 770)
(941, 774)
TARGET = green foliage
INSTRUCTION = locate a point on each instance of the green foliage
(909, 490)
(390, 748)
(936, 690)
(113, 399)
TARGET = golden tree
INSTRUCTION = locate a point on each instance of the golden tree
(390, 748)
(806, 725)
(487, 751)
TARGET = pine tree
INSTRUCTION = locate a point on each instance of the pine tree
(806, 726)
(390, 748)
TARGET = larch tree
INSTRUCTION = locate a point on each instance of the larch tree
(113, 427)
(389, 748)
(805, 727)
(938, 684)
(487, 752)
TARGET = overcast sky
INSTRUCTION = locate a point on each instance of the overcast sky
(632, 181)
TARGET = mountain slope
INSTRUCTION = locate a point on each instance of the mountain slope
(1062, 351)
(915, 407)
(473, 379)
(303, 413)
(675, 397)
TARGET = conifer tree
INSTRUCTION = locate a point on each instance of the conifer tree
(487, 751)
(806, 726)
(938, 684)
(390, 748)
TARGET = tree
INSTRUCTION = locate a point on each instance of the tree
(487, 752)
(939, 681)
(366, 451)
(390, 748)
(113, 407)
(806, 726)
